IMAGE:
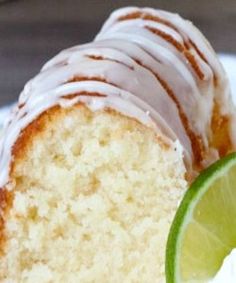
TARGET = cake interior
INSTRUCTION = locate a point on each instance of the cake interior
(93, 195)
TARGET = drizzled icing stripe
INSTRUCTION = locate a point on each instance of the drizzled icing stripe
(146, 64)
(172, 62)
(172, 22)
(173, 30)
(165, 37)
(214, 87)
(190, 34)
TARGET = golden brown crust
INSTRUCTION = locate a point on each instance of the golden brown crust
(196, 141)
(73, 95)
(98, 58)
(26, 136)
(6, 199)
(220, 128)
(146, 16)
(82, 78)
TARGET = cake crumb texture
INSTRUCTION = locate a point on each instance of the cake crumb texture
(94, 194)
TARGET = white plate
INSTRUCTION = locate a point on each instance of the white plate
(228, 61)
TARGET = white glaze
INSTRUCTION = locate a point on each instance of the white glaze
(128, 58)
(188, 32)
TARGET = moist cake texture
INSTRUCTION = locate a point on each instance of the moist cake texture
(97, 204)
(101, 147)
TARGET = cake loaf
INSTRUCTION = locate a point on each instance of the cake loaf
(101, 146)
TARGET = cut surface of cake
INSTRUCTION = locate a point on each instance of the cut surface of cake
(99, 151)
(97, 203)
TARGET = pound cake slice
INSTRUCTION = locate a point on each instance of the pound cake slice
(97, 154)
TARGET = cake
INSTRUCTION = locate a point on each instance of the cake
(101, 147)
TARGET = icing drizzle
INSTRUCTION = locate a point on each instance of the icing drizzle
(147, 64)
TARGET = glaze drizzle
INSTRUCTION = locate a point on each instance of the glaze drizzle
(147, 64)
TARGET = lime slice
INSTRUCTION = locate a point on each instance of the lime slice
(203, 232)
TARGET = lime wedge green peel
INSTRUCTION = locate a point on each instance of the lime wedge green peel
(203, 232)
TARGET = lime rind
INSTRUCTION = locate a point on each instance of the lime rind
(186, 209)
